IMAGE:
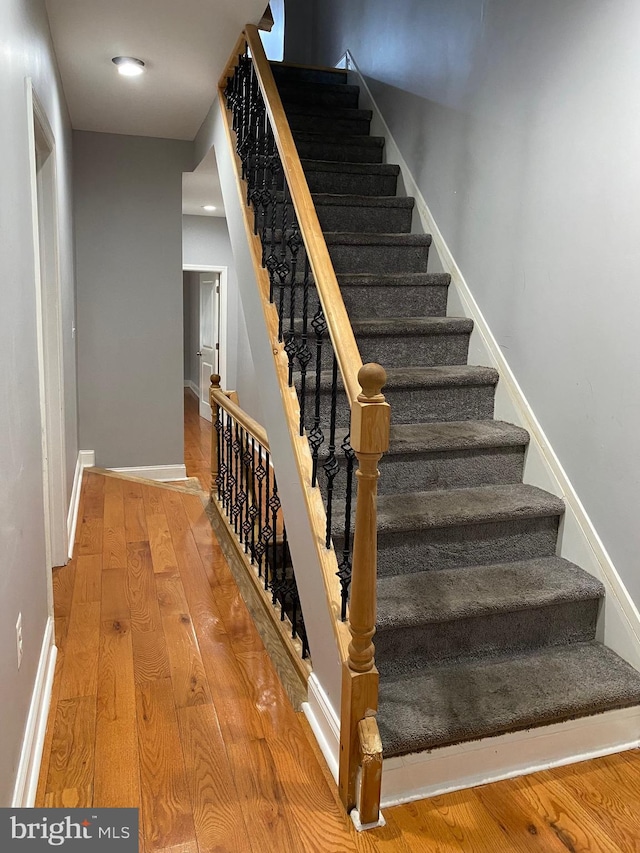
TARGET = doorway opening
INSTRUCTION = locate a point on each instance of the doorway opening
(49, 332)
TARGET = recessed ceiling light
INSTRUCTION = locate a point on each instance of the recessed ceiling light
(128, 66)
(208, 207)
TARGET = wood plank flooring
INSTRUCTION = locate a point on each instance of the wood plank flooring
(197, 442)
(165, 699)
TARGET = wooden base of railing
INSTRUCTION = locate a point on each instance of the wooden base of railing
(359, 702)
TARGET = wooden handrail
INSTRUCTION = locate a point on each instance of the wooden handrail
(338, 323)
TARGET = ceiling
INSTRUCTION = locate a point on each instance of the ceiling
(184, 43)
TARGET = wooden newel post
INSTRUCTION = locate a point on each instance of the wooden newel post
(215, 386)
(370, 418)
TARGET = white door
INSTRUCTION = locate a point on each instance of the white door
(208, 350)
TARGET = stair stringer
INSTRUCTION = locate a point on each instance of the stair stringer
(464, 765)
(287, 447)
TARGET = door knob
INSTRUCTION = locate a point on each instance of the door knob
(199, 352)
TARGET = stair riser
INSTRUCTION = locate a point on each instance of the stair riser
(473, 544)
(369, 302)
(346, 183)
(288, 75)
(379, 259)
(310, 123)
(372, 220)
(421, 472)
(417, 350)
(553, 625)
(319, 96)
(416, 406)
(334, 151)
(420, 351)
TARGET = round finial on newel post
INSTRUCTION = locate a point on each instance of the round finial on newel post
(372, 378)
(215, 380)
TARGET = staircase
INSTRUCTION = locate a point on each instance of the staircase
(481, 628)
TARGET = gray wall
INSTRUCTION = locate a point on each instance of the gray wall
(519, 121)
(205, 241)
(128, 203)
(23, 572)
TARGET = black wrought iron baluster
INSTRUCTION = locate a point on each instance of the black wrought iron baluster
(304, 353)
(316, 435)
(253, 509)
(260, 547)
(273, 260)
(331, 466)
(259, 154)
(283, 267)
(294, 242)
(235, 509)
(246, 461)
(228, 491)
(220, 475)
(282, 591)
(269, 162)
(268, 531)
(344, 566)
(274, 505)
(255, 108)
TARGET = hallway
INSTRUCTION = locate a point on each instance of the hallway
(165, 698)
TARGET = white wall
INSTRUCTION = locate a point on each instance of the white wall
(128, 196)
(26, 52)
(205, 241)
(519, 121)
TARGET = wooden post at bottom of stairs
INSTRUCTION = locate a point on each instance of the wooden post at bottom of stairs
(370, 416)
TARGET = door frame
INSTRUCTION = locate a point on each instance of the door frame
(223, 319)
(49, 336)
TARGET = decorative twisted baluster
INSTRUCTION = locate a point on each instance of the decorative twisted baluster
(316, 435)
(344, 567)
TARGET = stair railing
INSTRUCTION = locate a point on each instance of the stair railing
(245, 490)
(312, 329)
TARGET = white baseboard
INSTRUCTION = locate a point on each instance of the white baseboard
(324, 723)
(452, 768)
(192, 387)
(161, 473)
(86, 459)
(26, 785)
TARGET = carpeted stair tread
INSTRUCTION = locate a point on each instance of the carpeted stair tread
(451, 594)
(345, 200)
(457, 507)
(456, 435)
(474, 698)
(412, 326)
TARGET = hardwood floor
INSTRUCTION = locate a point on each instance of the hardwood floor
(164, 698)
(197, 442)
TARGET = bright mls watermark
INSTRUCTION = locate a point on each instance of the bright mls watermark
(79, 830)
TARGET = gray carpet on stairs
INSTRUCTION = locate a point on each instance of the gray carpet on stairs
(482, 629)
